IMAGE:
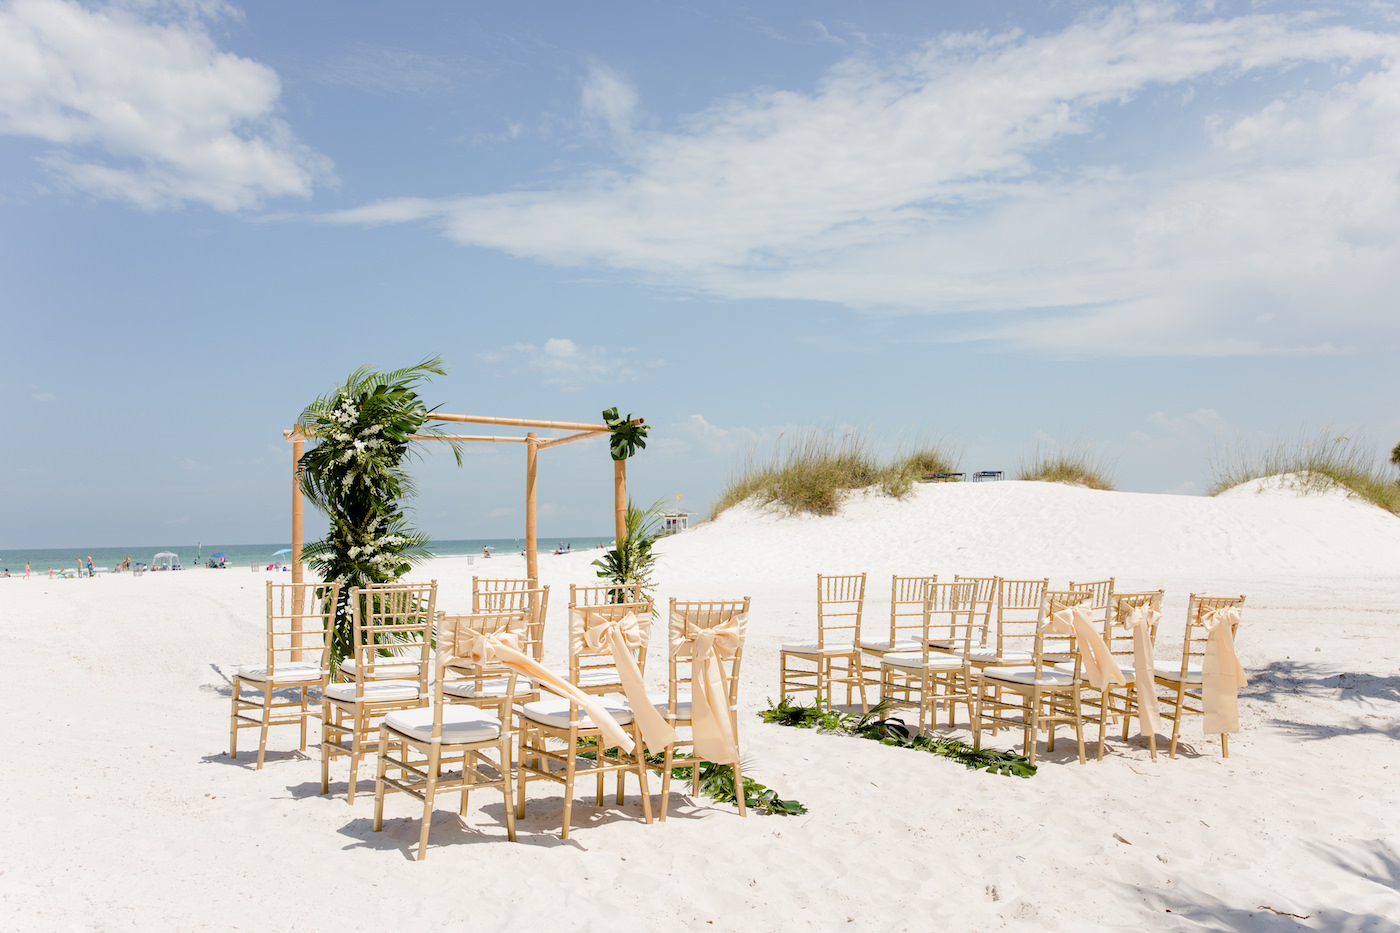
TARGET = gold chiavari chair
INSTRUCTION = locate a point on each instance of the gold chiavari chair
(1186, 684)
(812, 665)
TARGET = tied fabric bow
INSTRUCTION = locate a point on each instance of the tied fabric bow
(712, 730)
(504, 648)
(1099, 667)
(1222, 675)
(622, 637)
(1141, 620)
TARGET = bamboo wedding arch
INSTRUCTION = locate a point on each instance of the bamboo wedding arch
(533, 445)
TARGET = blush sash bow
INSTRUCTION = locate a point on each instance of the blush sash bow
(712, 730)
(504, 648)
(1099, 667)
(1140, 621)
(1221, 672)
(621, 637)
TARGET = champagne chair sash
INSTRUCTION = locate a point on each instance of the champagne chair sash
(622, 637)
(1221, 672)
(1099, 666)
(1140, 621)
(712, 730)
(504, 648)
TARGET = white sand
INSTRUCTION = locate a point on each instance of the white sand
(125, 813)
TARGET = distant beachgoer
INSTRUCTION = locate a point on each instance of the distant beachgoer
(90, 570)
(485, 549)
(80, 565)
(26, 570)
(7, 572)
(50, 573)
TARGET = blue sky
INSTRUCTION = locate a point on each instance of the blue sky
(1143, 228)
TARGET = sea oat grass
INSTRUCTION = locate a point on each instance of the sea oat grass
(1317, 463)
(814, 471)
(1075, 467)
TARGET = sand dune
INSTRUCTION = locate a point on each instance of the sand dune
(126, 814)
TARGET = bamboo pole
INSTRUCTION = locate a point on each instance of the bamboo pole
(556, 441)
(532, 558)
(488, 438)
(298, 448)
(520, 422)
(620, 501)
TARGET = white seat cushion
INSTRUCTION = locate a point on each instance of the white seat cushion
(1172, 672)
(554, 711)
(375, 691)
(883, 645)
(598, 677)
(1068, 668)
(811, 648)
(383, 670)
(1026, 675)
(989, 656)
(663, 705)
(944, 644)
(292, 672)
(490, 687)
(915, 662)
(461, 725)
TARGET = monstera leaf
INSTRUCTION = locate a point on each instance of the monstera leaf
(627, 437)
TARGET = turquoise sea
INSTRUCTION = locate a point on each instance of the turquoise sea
(246, 555)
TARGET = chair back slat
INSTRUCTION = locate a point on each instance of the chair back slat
(605, 594)
(300, 618)
(1120, 643)
(490, 593)
(984, 595)
(840, 600)
(948, 616)
(1100, 600)
(907, 606)
(508, 595)
(393, 625)
(1020, 608)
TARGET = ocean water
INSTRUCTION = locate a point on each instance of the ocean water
(246, 555)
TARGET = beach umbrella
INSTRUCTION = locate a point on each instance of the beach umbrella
(285, 550)
(221, 554)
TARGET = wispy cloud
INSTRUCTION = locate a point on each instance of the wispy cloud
(937, 183)
(561, 362)
(142, 106)
(387, 70)
(609, 100)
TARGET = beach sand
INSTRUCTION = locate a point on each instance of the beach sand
(125, 812)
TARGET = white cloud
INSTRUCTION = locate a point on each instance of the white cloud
(142, 106)
(608, 99)
(936, 183)
(561, 362)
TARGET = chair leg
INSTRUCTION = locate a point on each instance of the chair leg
(326, 747)
(520, 772)
(569, 773)
(233, 721)
(505, 787)
(266, 719)
(430, 791)
(1176, 720)
(303, 692)
(738, 789)
(379, 781)
(1224, 745)
(641, 775)
(666, 779)
(356, 751)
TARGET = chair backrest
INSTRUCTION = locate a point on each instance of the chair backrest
(1020, 608)
(1053, 647)
(948, 615)
(393, 625)
(454, 663)
(1193, 649)
(1100, 600)
(605, 594)
(984, 595)
(840, 600)
(489, 593)
(509, 596)
(1120, 643)
(596, 665)
(300, 619)
(687, 618)
(907, 606)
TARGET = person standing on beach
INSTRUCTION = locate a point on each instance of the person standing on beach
(80, 565)
(90, 573)
(26, 570)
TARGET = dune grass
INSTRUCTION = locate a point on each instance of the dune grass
(813, 470)
(1317, 463)
(1076, 466)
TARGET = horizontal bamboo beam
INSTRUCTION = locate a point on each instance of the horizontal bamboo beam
(520, 422)
(466, 437)
(556, 441)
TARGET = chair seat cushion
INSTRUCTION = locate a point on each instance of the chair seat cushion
(990, 656)
(1068, 668)
(490, 687)
(383, 669)
(1172, 672)
(375, 691)
(883, 645)
(915, 662)
(812, 649)
(461, 725)
(944, 644)
(292, 672)
(554, 711)
(663, 704)
(598, 677)
(1026, 675)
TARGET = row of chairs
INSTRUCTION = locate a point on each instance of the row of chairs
(462, 702)
(991, 645)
